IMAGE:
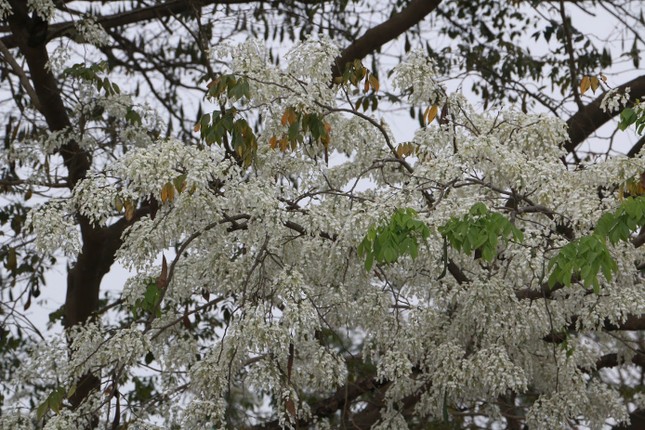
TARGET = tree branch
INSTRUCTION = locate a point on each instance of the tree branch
(46, 89)
(590, 118)
(389, 30)
(24, 80)
(136, 15)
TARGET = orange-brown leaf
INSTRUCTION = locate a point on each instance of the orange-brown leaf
(374, 83)
(404, 149)
(167, 192)
(129, 210)
(431, 113)
(211, 83)
(585, 84)
(288, 117)
(595, 83)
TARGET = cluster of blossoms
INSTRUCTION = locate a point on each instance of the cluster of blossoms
(417, 75)
(261, 297)
(91, 32)
(44, 8)
(614, 100)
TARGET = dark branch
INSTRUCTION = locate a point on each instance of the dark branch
(389, 30)
(590, 118)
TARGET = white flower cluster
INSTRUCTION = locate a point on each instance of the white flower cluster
(54, 228)
(5, 9)
(44, 8)
(614, 101)
(94, 348)
(91, 32)
(417, 74)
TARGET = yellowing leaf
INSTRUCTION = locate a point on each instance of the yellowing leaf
(431, 114)
(288, 117)
(595, 83)
(71, 391)
(197, 127)
(167, 192)
(180, 183)
(374, 83)
(129, 210)
(404, 149)
(585, 83)
(118, 204)
(366, 87)
(273, 142)
(211, 83)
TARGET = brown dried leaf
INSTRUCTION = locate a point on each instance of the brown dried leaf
(431, 113)
(595, 83)
(129, 210)
(585, 84)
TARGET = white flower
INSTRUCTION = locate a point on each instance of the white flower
(5, 9)
(417, 73)
(44, 8)
(55, 228)
(91, 32)
(613, 101)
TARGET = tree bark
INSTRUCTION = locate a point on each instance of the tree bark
(590, 118)
(379, 35)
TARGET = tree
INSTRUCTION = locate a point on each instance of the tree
(274, 288)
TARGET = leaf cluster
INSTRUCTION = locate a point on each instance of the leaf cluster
(149, 303)
(226, 127)
(633, 115)
(400, 236)
(479, 230)
(585, 258)
(54, 401)
(588, 256)
(91, 73)
(300, 124)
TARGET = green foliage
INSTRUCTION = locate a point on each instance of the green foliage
(584, 257)
(234, 87)
(626, 219)
(480, 230)
(225, 127)
(300, 125)
(54, 401)
(386, 243)
(588, 256)
(149, 303)
(91, 74)
(633, 115)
